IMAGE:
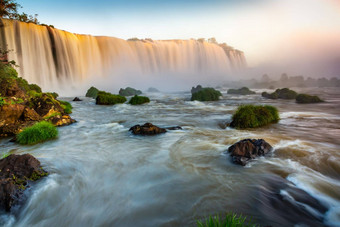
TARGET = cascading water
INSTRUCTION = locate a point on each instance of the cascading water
(49, 56)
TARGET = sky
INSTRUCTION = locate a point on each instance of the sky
(278, 33)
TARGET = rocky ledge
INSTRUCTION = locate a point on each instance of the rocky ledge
(16, 174)
(247, 149)
(23, 104)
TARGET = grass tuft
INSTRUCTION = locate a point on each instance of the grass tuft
(66, 106)
(206, 94)
(105, 98)
(37, 133)
(230, 220)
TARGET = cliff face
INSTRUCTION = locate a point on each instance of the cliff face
(48, 56)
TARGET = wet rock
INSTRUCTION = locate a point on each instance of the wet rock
(16, 173)
(147, 129)
(174, 128)
(247, 149)
(9, 114)
(76, 99)
(61, 120)
(196, 89)
(300, 208)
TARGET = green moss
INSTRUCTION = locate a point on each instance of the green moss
(34, 87)
(129, 91)
(53, 94)
(284, 93)
(138, 100)
(105, 98)
(66, 106)
(230, 220)
(2, 101)
(37, 133)
(304, 98)
(241, 91)
(206, 94)
(52, 115)
(92, 92)
(37, 175)
(250, 116)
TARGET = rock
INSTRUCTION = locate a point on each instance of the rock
(9, 114)
(247, 149)
(76, 99)
(129, 91)
(174, 128)
(16, 173)
(241, 91)
(196, 89)
(147, 129)
(92, 92)
(30, 115)
(206, 94)
(304, 98)
(152, 89)
(61, 120)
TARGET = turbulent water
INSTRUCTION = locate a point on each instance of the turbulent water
(102, 175)
(51, 57)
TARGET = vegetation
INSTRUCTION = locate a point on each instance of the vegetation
(129, 91)
(66, 106)
(138, 100)
(230, 220)
(9, 10)
(304, 98)
(105, 98)
(250, 116)
(284, 93)
(241, 91)
(37, 133)
(53, 94)
(206, 94)
(92, 92)
(35, 87)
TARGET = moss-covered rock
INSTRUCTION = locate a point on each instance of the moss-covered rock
(304, 98)
(284, 93)
(92, 92)
(196, 89)
(241, 91)
(251, 116)
(206, 94)
(22, 104)
(138, 100)
(16, 173)
(105, 98)
(129, 91)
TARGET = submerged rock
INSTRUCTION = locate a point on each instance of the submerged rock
(16, 173)
(174, 128)
(147, 129)
(76, 99)
(247, 149)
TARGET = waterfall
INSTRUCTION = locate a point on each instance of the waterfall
(51, 57)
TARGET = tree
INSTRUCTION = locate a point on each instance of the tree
(8, 8)
(212, 40)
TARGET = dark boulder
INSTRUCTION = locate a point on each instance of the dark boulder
(147, 129)
(76, 99)
(247, 149)
(196, 89)
(174, 128)
(16, 173)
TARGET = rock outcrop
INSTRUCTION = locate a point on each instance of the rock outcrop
(16, 174)
(247, 149)
(147, 129)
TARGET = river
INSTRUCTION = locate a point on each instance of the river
(102, 175)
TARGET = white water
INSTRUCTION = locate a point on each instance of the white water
(51, 57)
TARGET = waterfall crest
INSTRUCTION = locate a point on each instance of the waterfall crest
(49, 56)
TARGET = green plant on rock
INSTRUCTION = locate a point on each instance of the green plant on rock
(92, 92)
(105, 98)
(251, 116)
(241, 91)
(206, 94)
(229, 220)
(2, 101)
(304, 98)
(138, 100)
(35, 87)
(37, 133)
(66, 106)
